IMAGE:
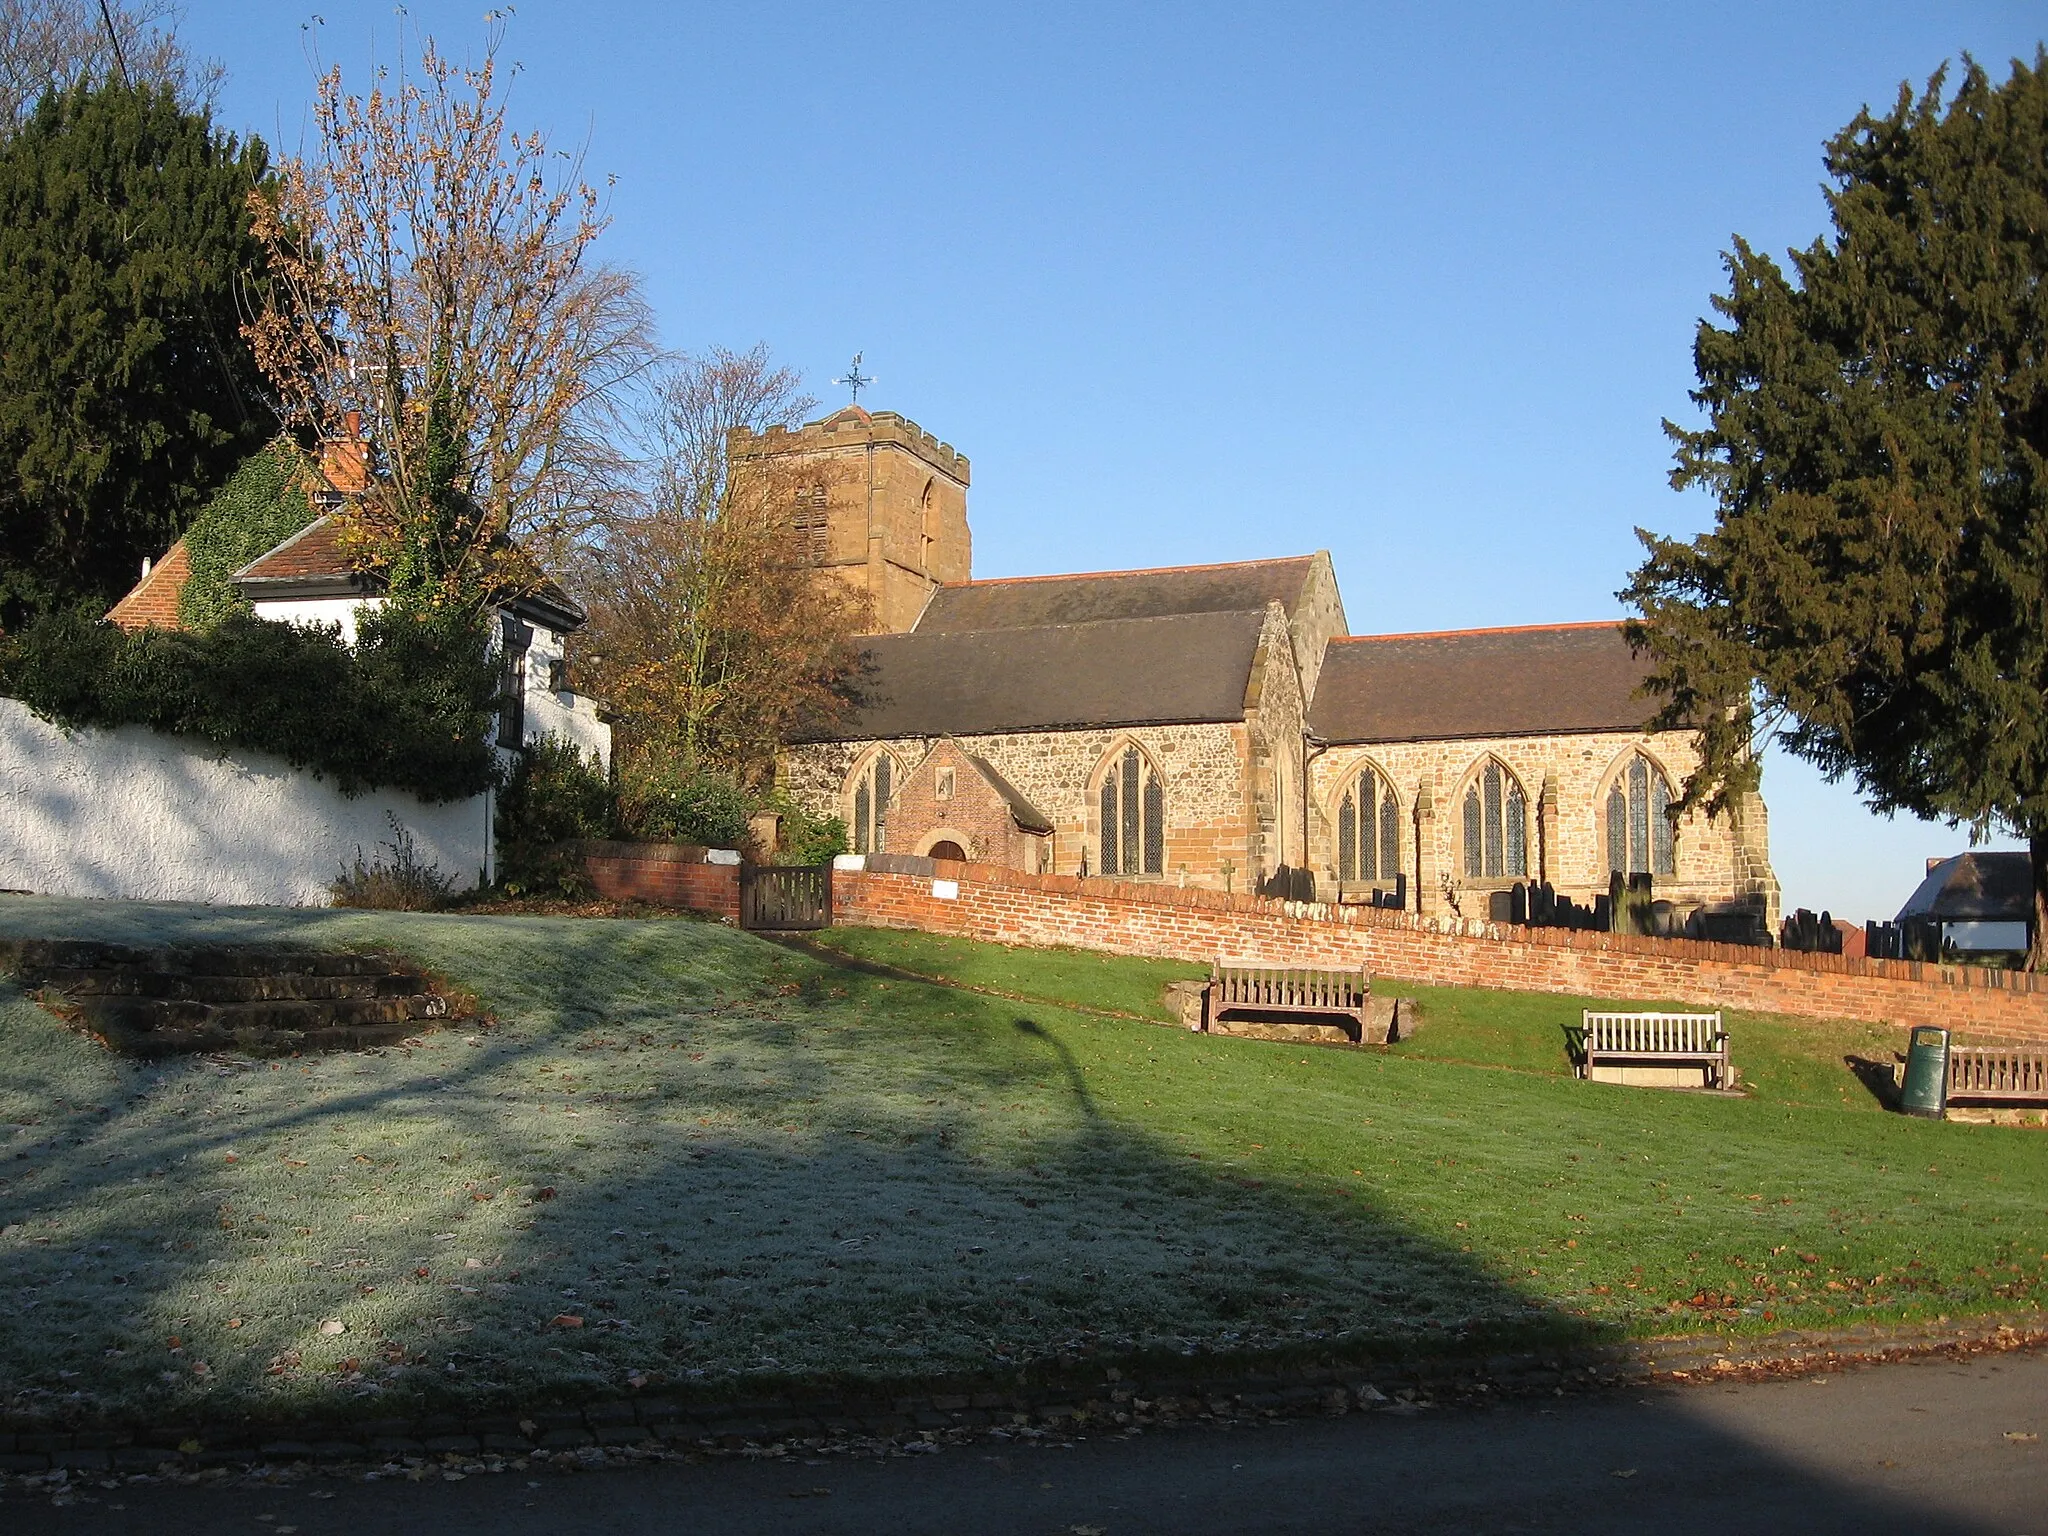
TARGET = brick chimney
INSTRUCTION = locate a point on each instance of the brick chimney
(345, 460)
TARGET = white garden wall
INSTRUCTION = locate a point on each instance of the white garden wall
(129, 813)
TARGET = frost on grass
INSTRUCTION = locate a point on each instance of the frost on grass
(686, 1154)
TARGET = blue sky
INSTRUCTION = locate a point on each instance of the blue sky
(1412, 283)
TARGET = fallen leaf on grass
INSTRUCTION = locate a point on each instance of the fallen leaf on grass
(2021, 1436)
(1623, 1472)
(565, 1320)
(333, 1326)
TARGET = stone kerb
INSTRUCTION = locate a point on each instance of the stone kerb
(1167, 921)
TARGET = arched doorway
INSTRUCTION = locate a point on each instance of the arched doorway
(946, 848)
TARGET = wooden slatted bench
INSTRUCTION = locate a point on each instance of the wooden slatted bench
(1998, 1074)
(1256, 989)
(1669, 1041)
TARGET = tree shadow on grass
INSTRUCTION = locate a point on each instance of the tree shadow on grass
(783, 1178)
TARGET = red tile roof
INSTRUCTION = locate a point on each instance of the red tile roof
(153, 601)
(313, 552)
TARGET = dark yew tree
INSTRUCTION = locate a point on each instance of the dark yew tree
(1875, 590)
(127, 395)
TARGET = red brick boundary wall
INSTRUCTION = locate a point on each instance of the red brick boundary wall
(1129, 918)
(663, 875)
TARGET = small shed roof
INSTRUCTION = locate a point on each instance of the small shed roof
(1975, 887)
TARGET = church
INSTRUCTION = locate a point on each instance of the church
(1218, 725)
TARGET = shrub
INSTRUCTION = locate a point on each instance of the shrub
(806, 839)
(258, 509)
(679, 805)
(553, 797)
(409, 708)
(407, 884)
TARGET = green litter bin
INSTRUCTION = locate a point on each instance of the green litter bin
(1926, 1090)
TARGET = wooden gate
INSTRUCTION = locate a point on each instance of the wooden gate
(781, 897)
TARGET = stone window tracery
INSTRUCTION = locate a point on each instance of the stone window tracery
(1640, 836)
(1368, 830)
(872, 792)
(1133, 808)
(1496, 826)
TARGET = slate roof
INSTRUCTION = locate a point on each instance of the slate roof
(1027, 816)
(311, 563)
(1552, 679)
(1025, 602)
(152, 603)
(1174, 669)
(1995, 887)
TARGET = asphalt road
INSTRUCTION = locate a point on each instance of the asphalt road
(1925, 1447)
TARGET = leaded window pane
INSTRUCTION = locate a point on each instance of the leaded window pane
(1491, 782)
(1617, 830)
(861, 829)
(1390, 839)
(1639, 816)
(1475, 837)
(1111, 837)
(1347, 840)
(1155, 825)
(1368, 797)
(1661, 834)
(1517, 860)
(1129, 796)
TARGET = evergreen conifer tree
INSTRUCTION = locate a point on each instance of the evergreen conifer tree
(127, 395)
(1875, 590)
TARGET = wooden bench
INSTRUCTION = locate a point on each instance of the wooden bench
(1264, 989)
(1673, 1041)
(1998, 1074)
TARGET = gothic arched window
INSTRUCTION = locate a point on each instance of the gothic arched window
(1133, 802)
(1368, 830)
(1496, 826)
(1640, 839)
(871, 794)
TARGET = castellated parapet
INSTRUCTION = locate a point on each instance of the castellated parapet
(884, 503)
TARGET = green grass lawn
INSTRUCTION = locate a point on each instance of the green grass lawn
(734, 1165)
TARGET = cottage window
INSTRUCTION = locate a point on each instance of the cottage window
(1368, 830)
(1133, 803)
(871, 794)
(1496, 826)
(1640, 838)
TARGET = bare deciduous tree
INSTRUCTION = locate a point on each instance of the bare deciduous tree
(713, 631)
(433, 279)
(51, 45)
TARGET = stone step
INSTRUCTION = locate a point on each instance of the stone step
(76, 982)
(147, 1013)
(262, 1000)
(23, 956)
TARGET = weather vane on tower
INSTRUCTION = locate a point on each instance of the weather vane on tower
(855, 380)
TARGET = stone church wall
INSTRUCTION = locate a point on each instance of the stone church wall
(1718, 859)
(1208, 813)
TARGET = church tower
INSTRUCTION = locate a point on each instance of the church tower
(882, 501)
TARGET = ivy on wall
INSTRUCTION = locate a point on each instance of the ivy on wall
(261, 506)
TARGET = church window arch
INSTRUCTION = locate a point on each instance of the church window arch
(1368, 828)
(1641, 839)
(1496, 824)
(871, 791)
(1131, 802)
